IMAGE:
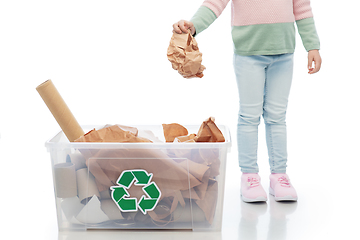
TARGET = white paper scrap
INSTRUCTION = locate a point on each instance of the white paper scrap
(92, 213)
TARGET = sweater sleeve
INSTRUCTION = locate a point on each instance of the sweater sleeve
(202, 19)
(305, 24)
(308, 34)
(208, 12)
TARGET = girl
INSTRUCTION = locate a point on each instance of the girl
(263, 33)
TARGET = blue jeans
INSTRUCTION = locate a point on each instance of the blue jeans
(264, 83)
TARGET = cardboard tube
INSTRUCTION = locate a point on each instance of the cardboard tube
(60, 110)
(111, 210)
(77, 159)
(65, 180)
(86, 185)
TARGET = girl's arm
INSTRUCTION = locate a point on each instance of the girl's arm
(208, 12)
(306, 28)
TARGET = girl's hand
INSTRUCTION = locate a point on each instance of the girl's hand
(182, 26)
(314, 56)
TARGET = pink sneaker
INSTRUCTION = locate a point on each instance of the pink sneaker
(251, 189)
(281, 188)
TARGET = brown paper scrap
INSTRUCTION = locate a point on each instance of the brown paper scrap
(208, 203)
(188, 138)
(209, 132)
(197, 170)
(173, 130)
(183, 53)
(114, 133)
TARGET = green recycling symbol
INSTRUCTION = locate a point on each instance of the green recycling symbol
(139, 177)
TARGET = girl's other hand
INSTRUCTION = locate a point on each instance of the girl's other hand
(314, 56)
(182, 26)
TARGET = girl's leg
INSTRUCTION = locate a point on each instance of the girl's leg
(250, 76)
(277, 89)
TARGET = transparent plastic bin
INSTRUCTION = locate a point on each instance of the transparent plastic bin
(154, 185)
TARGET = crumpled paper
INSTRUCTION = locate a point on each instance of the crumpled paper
(183, 53)
(173, 130)
(114, 133)
(208, 132)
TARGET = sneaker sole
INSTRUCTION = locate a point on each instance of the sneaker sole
(250, 200)
(285, 198)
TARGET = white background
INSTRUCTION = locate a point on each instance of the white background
(108, 61)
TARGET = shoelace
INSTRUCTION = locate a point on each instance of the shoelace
(253, 182)
(284, 181)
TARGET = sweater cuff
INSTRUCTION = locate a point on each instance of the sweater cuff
(308, 34)
(202, 19)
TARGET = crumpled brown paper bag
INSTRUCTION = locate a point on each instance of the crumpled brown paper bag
(184, 55)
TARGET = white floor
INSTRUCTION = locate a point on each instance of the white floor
(320, 213)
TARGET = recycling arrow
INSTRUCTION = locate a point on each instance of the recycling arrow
(127, 204)
(139, 177)
(153, 193)
(118, 193)
(146, 204)
(142, 177)
(125, 179)
(152, 190)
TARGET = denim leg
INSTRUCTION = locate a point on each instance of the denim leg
(277, 89)
(250, 76)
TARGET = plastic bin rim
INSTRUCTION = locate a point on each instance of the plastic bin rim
(113, 145)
